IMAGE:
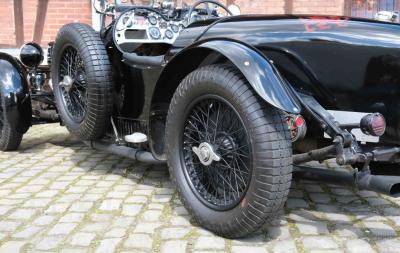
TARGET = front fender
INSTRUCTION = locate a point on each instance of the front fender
(259, 72)
(14, 91)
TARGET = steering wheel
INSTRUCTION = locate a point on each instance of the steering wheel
(209, 12)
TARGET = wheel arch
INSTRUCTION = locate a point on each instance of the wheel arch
(259, 71)
(14, 92)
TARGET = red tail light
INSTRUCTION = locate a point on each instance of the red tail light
(373, 124)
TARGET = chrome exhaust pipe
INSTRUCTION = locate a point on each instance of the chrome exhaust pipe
(388, 185)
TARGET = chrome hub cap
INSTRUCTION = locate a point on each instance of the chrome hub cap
(206, 154)
(67, 83)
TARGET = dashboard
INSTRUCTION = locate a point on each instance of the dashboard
(133, 29)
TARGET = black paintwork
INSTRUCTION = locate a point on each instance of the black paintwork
(31, 55)
(14, 92)
(346, 64)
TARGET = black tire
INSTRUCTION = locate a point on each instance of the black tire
(9, 138)
(270, 152)
(86, 105)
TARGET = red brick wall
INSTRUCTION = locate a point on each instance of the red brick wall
(7, 34)
(60, 12)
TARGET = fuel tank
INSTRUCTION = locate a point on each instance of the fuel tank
(14, 91)
(346, 63)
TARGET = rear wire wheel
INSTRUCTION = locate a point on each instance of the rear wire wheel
(214, 122)
(229, 153)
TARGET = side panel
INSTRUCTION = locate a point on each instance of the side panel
(14, 92)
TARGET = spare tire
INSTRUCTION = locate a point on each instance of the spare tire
(82, 80)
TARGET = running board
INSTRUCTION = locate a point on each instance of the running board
(131, 153)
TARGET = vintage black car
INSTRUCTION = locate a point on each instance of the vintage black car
(231, 103)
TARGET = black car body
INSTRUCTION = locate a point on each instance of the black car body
(314, 80)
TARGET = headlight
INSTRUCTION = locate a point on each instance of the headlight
(31, 55)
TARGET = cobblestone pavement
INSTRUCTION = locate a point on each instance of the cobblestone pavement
(56, 195)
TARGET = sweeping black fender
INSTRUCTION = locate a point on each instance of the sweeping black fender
(14, 92)
(259, 72)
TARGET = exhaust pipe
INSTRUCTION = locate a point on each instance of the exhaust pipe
(131, 153)
(388, 185)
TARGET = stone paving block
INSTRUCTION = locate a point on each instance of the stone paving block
(82, 239)
(246, 249)
(107, 245)
(377, 201)
(5, 209)
(312, 228)
(319, 242)
(62, 229)
(358, 245)
(22, 214)
(348, 231)
(139, 241)
(380, 229)
(57, 208)
(28, 232)
(131, 210)
(286, 246)
(72, 217)
(95, 227)
(388, 245)
(48, 243)
(322, 198)
(147, 227)
(174, 233)
(8, 226)
(208, 242)
(151, 215)
(44, 220)
(81, 206)
(296, 203)
(12, 246)
(174, 246)
(110, 205)
(181, 221)
(136, 199)
(278, 233)
(115, 233)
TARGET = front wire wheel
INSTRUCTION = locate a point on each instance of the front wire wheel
(82, 78)
(229, 153)
(73, 84)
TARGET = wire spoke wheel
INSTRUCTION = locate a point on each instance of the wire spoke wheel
(73, 83)
(222, 183)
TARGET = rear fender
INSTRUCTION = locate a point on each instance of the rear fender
(259, 72)
(14, 92)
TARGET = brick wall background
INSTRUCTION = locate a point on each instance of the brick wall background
(7, 34)
(60, 12)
